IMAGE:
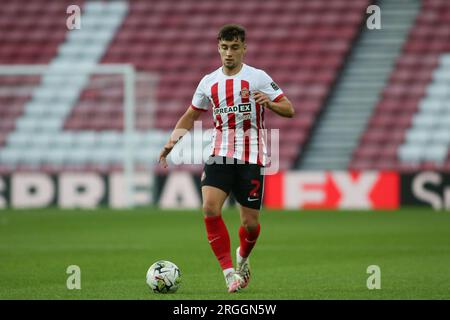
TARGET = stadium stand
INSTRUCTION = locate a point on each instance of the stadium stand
(410, 127)
(41, 46)
(29, 35)
(361, 81)
(303, 52)
(38, 135)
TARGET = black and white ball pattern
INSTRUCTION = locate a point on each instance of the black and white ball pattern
(164, 277)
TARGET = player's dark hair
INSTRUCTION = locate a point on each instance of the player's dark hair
(230, 32)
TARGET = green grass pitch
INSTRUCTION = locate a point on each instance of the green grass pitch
(300, 254)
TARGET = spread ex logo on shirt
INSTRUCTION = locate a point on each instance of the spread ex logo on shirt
(242, 107)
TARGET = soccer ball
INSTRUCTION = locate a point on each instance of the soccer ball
(163, 277)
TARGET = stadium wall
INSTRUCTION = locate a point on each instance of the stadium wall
(332, 190)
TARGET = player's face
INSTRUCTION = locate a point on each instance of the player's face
(231, 53)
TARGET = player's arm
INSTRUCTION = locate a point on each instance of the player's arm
(282, 107)
(184, 124)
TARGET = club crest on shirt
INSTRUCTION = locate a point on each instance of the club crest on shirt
(245, 93)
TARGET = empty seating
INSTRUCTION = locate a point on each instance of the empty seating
(415, 101)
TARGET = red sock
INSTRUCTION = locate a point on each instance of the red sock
(247, 240)
(219, 240)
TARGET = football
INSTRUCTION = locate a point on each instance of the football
(163, 277)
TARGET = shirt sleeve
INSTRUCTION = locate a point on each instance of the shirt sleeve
(200, 101)
(269, 87)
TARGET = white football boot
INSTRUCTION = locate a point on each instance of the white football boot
(243, 268)
(233, 281)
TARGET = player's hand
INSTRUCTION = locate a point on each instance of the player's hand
(163, 154)
(262, 99)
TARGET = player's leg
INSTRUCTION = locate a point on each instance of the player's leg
(249, 194)
(248, 234)
(249, 230)
(216, 185)
(218, 237)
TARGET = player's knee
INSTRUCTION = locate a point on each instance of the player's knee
(250, 223)
(210, 209)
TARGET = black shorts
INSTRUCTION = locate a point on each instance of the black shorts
(245, 180)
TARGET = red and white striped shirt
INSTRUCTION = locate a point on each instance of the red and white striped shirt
(238, 119)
